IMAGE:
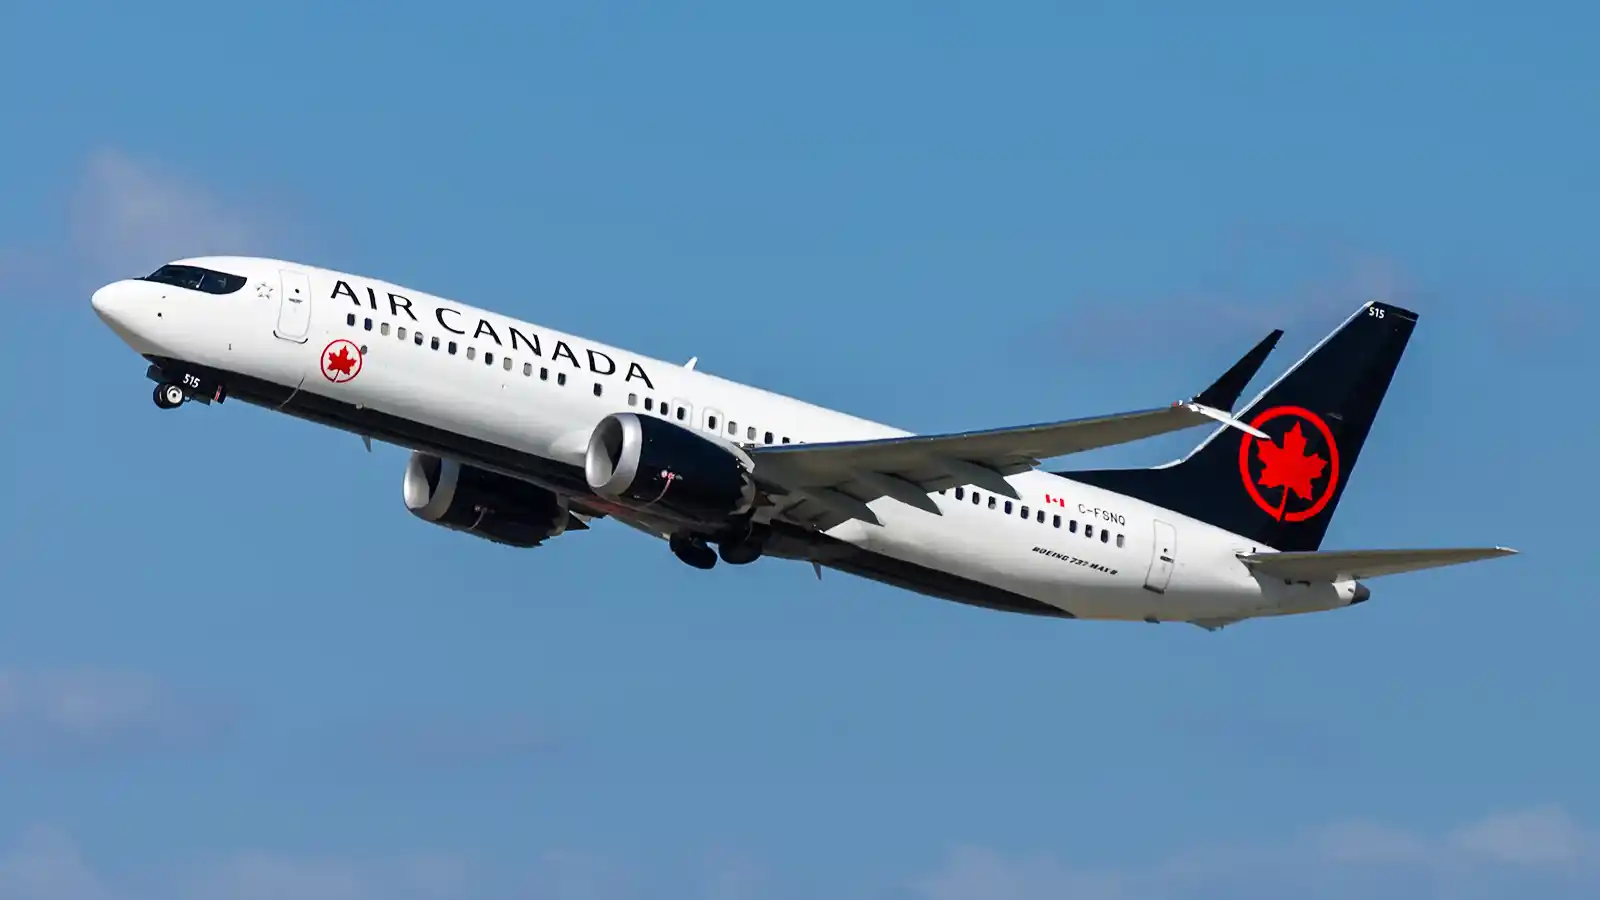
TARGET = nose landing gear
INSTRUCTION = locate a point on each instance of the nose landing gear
(169, 396)
(178, 383)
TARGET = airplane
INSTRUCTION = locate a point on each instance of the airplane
(520, 434)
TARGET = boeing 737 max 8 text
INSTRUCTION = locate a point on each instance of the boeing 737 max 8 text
(521, 434)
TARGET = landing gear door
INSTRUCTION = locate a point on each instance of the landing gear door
(294, 306)
(1161, 558)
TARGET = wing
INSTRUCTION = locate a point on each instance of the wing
(1344, 565)
(824, 485)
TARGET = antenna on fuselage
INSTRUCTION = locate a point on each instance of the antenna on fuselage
(691, 362)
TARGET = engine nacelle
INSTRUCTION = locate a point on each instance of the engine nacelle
(489, 505)
(646, 461)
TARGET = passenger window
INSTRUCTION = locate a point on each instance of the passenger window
(733, 427)
(472, 352)
(416, 338)
(1057, 519)
(633, 399)
(544, 374)
(1041, 519)
(366, 324)
(597, 388)
(1119, 540)
(682, 411)
(506, 363)
(1072, 526)
(451, 349)
(435, 343)
(961, 493)
(527, 369)
(976, 499)
(197, 279)
(991, 501)
(649, 404)
(488, 358)
(751, 432)
(711, 422)
(350, 320)
(1008, 507)
(786, 440)
(561, 378)
(401, 332)
(1104, 536)
(1024, 512)
(768, 436)
(384, 329)
(1088, 531)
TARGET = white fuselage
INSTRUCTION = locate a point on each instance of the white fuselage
(528, 388)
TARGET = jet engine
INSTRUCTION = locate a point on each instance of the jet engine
(486, 504)
(650, 462)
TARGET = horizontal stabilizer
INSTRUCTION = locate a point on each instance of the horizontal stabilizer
(1345, 565)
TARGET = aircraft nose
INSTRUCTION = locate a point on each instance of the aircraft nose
(116, 305)
(109, 301)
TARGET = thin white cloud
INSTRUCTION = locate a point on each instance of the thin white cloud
(130, 216)
(1546, 838)
(263, 877)
(1264, 278)
(125, 216)
(45, 864)
(62, 713)
(1542, 852)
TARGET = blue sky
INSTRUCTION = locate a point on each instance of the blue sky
(232, 666)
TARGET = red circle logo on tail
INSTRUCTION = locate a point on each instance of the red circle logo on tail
(341, 361)
(1298, 467)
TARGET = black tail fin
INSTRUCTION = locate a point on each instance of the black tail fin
(1282, 493)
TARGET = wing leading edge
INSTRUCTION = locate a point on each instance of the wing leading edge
(828, 484)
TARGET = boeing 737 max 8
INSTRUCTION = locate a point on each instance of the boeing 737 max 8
(520, 434)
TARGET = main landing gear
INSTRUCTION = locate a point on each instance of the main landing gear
(693, 551)
(736, 549)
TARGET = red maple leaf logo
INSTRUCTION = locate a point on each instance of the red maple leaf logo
(1289, 466)
(342, 362)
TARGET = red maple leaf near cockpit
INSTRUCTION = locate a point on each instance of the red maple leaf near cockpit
(341, 362)
(1289, 466)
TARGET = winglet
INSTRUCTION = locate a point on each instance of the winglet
(1215, 401)
(1225, 391)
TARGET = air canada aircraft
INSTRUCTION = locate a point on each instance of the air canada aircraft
(521, 434)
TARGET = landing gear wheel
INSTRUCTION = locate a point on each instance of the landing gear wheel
(169, 396)
(693, 551)
(739, 553)
(744, 545)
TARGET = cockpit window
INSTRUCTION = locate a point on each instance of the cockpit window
(197, 279)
